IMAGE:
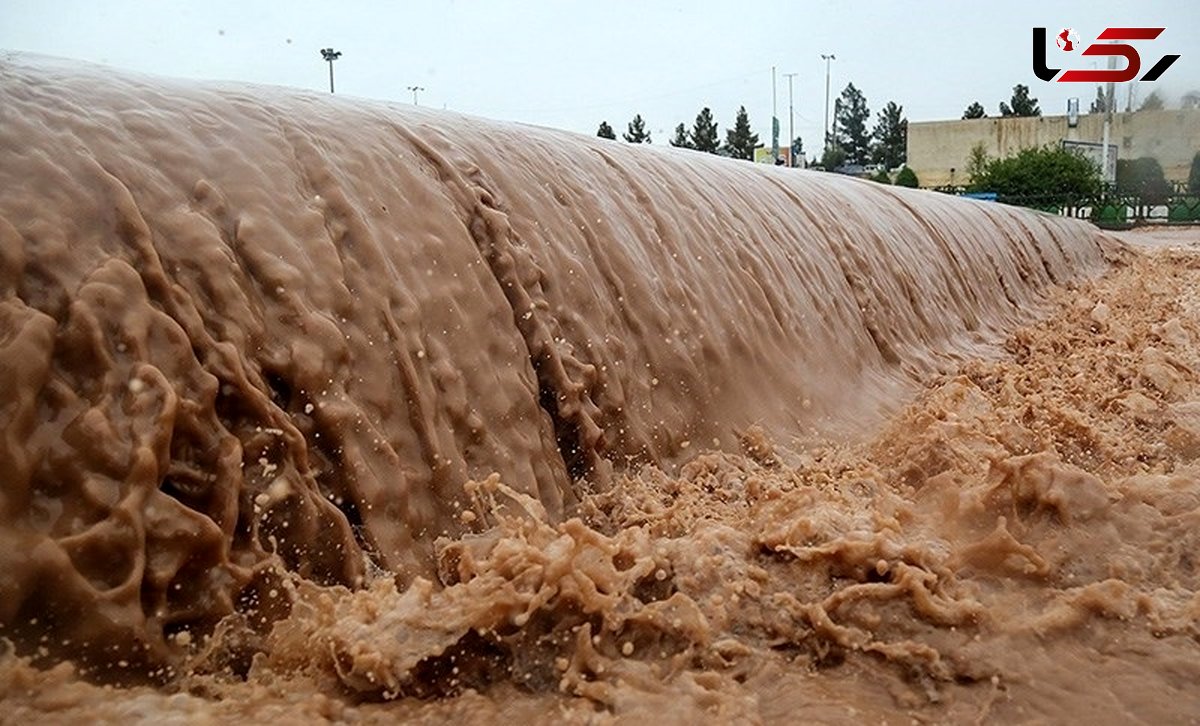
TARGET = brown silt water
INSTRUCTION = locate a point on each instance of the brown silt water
(314, 408)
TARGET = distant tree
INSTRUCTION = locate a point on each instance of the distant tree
(1022, 104)
(851, 119)
(977, 164)
(833, 158)
(1189, 100)
(797, 151)
(637, 133)
(605, 131)
(704, 132)
(1144, 178)
(1153, 102)
(1100, 105)
(975, 110)
(1040, 177)
(882, 177)
(1194, 177)
(681, 139)
(739, 140)
(907, 178)
(891, 137)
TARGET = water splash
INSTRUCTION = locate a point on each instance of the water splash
(246, 327)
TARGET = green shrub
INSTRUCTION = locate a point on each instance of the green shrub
(882, 177)
(1144, 178)
(1186, 210)
(832, 158)
(1110, 215)
(907, 178)
(1040, 177)
(977, 164)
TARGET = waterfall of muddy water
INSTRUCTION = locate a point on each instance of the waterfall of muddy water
(371, 402)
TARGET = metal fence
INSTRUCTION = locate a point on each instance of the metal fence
(1109, 206)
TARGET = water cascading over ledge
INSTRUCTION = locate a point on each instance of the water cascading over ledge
(239, 320)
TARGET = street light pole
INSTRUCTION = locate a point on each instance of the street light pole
(827, 59)
(774, 122)
(791, 122)
(330, 55)
(1110, 100)
(414, 90)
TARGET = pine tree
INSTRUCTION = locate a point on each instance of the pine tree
(637, 131)
(704, 132)
(891, 137)
(975, 110)
(833, 158)
(739, 141)
(1153, 102)
(681, 139)
(605, 131)
(1100, 105)
(1022, 104)
(852, 116)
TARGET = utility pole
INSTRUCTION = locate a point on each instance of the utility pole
(827, 59)
(791, 122)
(1110, 100)
(330, 55)
(774, 122)
(414, 90)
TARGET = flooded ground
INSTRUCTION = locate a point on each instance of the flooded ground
(1018, 545)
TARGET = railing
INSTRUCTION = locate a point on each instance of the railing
(1109, 207)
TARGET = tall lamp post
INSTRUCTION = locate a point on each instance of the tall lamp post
(330, 55)
(414, 90)
(774, 122)
(791, 122)
(827, 59)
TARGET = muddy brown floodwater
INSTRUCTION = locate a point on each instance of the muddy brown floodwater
(315, 408)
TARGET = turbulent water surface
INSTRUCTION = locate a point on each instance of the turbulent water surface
(314, 407)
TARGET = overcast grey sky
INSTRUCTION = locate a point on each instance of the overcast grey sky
(572, 64)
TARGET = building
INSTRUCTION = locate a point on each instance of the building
(938, 150)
